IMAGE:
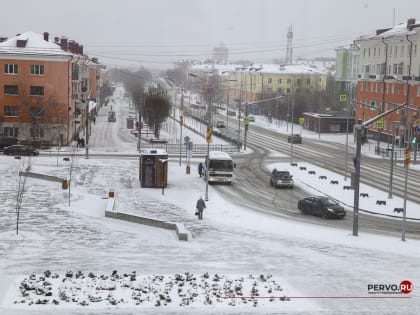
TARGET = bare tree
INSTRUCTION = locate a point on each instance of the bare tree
(20, 188)
(156, 108)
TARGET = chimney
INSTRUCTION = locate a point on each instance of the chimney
(63, 43)
(410, 22)
(56, 40)
(81, 50)
(72, 46)
(3, 39)
(46, 36)
(95, 60)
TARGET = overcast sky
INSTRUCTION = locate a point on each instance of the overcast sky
(157, 32)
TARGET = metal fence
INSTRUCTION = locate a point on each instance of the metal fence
(172, 148)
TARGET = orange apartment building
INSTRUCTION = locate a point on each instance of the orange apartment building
(389, 75)
(43, 86)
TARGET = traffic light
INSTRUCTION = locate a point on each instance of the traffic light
(181, 120)
(372, 106)
(414, 140)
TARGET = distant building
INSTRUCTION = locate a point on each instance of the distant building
(347, 66)
(221, 54)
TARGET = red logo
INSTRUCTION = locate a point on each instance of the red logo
(406, 286)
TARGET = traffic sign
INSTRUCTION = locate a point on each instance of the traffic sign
(380, 123)
(246, 120)
(301, 120)
(343, 97)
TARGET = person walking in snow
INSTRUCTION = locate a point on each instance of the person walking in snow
(201, 205)
(200, 169)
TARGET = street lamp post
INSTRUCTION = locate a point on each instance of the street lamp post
(181, 122)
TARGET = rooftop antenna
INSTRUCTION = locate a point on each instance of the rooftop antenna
(289, 51)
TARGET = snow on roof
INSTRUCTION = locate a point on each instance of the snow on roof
(312, 68)
(153, 152)
(35, 45)
(398, 30)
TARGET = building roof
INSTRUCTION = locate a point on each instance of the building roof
(34, 45)
(407, 28)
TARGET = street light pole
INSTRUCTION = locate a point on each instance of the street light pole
(181, 122)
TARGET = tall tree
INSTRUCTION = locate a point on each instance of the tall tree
(156, 108)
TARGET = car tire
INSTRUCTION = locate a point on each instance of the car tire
(300, 206)
(324, 214)
(271, 182)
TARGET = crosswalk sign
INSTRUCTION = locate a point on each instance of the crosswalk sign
(343, 97)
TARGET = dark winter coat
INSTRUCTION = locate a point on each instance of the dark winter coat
(200, 204)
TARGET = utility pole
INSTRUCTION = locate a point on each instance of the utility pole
(181, 122)
(359, 131)
(87, 125)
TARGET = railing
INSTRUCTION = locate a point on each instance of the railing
(172, 148)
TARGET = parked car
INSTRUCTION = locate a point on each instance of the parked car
(281, 179)
(20, 149)
(251, 118)
(231, 113)
(220, 124)
(7, 141)
(296, 139)
(324, 207)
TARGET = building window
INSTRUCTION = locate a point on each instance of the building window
(398, 89)
(364, 52)
(279, 81)
(11, 68)
(288, 91)
(269, 80)
(395, 51)
(289, 81)
(11, 132)
(369, 52)
(376, 87)
(75, 72)
(37, 132)
(379, 51)
(11, 90)
(371, 87)
(392, 89)
(418, 90)
(37, 91)
(387, 88)
(37, 69)
(402, 51)
(415, 49)
(11, 111)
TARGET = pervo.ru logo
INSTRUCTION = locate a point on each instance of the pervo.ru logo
(405, 287)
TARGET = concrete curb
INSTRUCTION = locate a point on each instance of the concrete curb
(179, 228)
(42, 176)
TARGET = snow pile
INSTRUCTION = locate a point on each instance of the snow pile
(91, 290)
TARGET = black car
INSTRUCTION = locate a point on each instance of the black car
(296, 139)
(281, 179)
(321, 206)
(7, 141)
(20, 149)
